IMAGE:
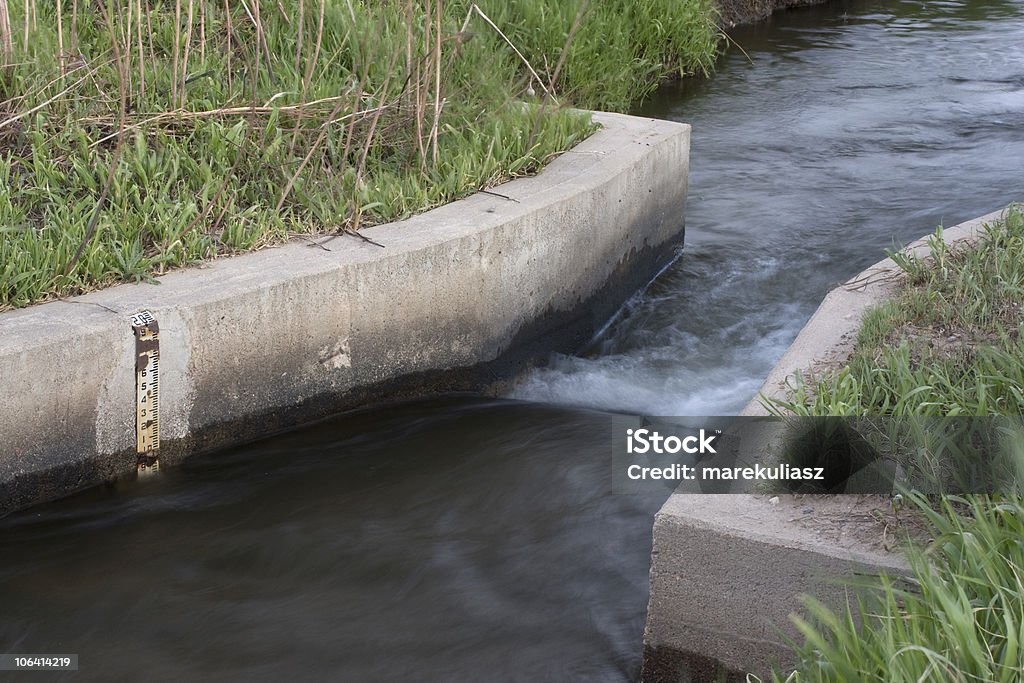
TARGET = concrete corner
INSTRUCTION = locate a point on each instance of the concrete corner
(729, 569)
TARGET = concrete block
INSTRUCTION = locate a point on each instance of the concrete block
(728, 569)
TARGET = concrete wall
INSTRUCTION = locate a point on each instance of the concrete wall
(456, 298)
(728, 570)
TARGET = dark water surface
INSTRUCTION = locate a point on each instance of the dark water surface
(455, 539)
(464, 539)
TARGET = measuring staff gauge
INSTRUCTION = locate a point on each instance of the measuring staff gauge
(147, 392)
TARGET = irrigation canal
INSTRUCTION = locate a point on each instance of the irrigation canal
(466, 539)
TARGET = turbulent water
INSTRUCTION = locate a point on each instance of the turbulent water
(465, 539)
(858, 127)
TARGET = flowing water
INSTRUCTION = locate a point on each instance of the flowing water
(859, 126)
(464, 539)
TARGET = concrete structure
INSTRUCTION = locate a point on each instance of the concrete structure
(728, 570)
(827, 339)
(457, 297)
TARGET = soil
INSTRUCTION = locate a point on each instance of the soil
(735, 12)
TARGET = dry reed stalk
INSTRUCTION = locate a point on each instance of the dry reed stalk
(177, 46)
(375, 119)
(124, 29)
(437, 83)
(364, 76)
(298, 35)
(408, 43)
(188, 47)
(519, 54)
(418, 114)
(6, 37)
(423, 87)
(316, 50)
(254, 17)
(350, 133)
(298, 61)
(257, 57)
(202, 31)
(28, 15)
(60, 36)
(73, 36)
(142, 58)
(258, 22)
(284, 14)
(357, 212)
(149, 29)
(310, 66)
(360, 91)
(227, 20)
(262, 39)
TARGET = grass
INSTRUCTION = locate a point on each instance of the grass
(142, 135)
(948, 345)
(958, 618)
(622, 49)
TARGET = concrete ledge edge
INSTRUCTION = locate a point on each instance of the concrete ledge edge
(460, 296)
(830, 334)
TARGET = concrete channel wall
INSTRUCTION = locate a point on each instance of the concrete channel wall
(728, 570)
(454, 299)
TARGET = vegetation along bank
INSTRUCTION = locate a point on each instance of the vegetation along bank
(145, 136)
(948, 344)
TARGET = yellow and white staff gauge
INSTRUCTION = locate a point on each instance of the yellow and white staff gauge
(147, 391)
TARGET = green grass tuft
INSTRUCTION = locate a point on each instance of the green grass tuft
(949, 344)
(959, 617)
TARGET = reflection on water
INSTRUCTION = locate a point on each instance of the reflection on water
(467, 540)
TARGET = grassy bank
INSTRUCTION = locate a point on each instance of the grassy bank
(141, 135)
(959, 618)
(948, 344)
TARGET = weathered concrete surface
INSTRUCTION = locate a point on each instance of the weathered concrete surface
(828, 337)
(458, 297)
(727, 570)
